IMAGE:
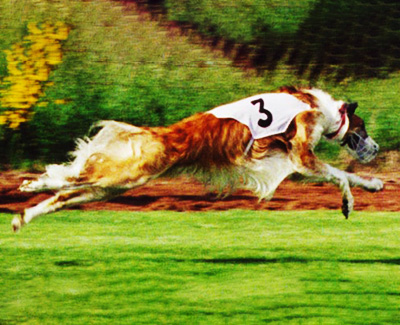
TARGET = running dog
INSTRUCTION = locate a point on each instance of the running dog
(254, 143)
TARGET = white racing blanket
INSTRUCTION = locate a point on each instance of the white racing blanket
(264, 114)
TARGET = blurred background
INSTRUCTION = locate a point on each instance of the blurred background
(66, 64)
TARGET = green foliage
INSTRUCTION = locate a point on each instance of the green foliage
(116, 66)
(120, 66)
(241, 21)
(339, 38)
(236, 267)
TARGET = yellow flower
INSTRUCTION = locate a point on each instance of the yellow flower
(43, 104)
(3, 119)
(9, 54)
(62, 33)
(13, 69)
(53, 47)
(17, 49)
(37, 46)
(29, 64)
(33, 29)
(60, 101)
(41, 74)
(54, 58)
(14, 125)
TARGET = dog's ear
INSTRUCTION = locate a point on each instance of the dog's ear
(351, 108)
(288, 89)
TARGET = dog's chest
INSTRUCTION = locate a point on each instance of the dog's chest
(264, 114)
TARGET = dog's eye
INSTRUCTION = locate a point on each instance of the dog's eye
(362, 133)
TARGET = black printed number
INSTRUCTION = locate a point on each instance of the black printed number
(267, 122)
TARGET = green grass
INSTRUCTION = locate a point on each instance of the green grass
(242, 21)
(233, 267)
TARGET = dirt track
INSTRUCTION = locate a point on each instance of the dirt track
(185, 195)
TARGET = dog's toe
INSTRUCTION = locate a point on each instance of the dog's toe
(375, 185)
(17, 223)
(347, 207)
(25, 186)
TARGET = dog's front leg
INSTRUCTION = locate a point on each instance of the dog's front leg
(340, 178)
(371, 185)
(314, 168)
(309, 165)
(336, 176)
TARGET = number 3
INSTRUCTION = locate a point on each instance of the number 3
(267, 122)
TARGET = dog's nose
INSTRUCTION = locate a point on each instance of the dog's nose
(376, 148)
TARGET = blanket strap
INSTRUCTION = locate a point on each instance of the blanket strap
(249, 145)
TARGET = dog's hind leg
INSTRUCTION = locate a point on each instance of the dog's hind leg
(61, 200)
(56, 177)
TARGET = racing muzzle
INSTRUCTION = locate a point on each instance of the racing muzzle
(364, 150)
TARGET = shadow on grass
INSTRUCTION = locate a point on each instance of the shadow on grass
(250, 260)
(73, 263)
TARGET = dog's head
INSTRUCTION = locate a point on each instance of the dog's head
(357, 141)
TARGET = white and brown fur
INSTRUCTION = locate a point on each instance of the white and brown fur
(122, 156)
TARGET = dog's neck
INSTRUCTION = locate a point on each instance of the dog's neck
(342, 125)
(337, 121)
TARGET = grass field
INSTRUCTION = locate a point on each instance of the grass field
(233, 267)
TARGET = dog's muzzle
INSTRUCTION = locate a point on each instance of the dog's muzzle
(364, 150)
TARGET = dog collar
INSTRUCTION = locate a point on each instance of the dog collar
(343, 122)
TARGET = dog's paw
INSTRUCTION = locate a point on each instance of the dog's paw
(17, 223)
(347, 207)
(31, 185)
(26, 186)
(375, 185)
